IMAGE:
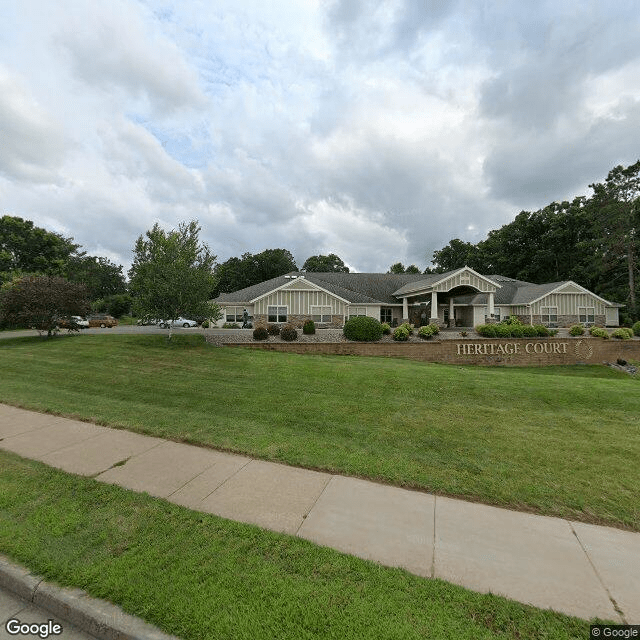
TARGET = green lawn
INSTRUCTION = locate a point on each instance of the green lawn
(201, 577)
(559, 440)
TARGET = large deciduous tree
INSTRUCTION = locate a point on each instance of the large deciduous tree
(172, 274)
(41, 301)
(325, 264)
(102, 277)
(29, 249)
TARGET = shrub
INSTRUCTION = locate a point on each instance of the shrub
(553, 332)
(629, 331)
(599, 332)
(620, 334)
(502, 330)
(636, 329)
(435, 328)
(309, 327)
(230, 325)
(408, 327)
(401, 334)
(273, 329)
(289, 333)
(425, 332)
(260, 333)
(487, 330)
(520, 330)
(386, 328)
(205, 324)
(576, 330)
(541, 330)
(512, 320)
(363, 329)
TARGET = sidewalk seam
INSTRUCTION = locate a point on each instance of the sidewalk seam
(614, 604)
(315, 502)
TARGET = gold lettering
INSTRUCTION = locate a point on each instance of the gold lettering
(538, 348)
(564, 347)
(501, 349)
(516, 347)
(478, 349)
(459, 345)
(508, 348)
(556, 347)
(528, 347)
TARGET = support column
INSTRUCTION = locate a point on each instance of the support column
(452, 320)
(491, 310)
(434, 307)
(405, 310)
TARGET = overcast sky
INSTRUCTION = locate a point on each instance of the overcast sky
(375, 130)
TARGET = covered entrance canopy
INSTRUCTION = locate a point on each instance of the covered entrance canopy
(436, 289)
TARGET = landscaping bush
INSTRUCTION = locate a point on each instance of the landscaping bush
(273, 329)
(260, 333)
(230, 325)
(408, 327)
(502, 330)
(512, 320)
(599, 332)
(576, 330)
(620, 334)
(363, 329)
(205, 324)
(541, 330)
(435, 328)
(386, 328)
(289, 333)
(629, 331)
(520, 330)
(309, 327)
(425, 332)
(487, 330)
(636, 329)
(401, 334)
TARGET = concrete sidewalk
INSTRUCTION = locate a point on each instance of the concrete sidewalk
(578, 569)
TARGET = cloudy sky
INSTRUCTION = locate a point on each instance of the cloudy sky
(377, 130)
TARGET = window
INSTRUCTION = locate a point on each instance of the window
(549, 316)
(357, 311)
(276, 314)
(234, 314)
(386, 315)
(321, 314)
(496, 313)
(586, 315)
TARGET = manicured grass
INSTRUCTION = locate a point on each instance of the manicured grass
(560, 440)
(199, 576)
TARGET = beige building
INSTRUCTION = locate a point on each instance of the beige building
(458, 298)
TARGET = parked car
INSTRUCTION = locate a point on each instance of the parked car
(73, 322)
(178, 322)
(146, 320)
(102, 320)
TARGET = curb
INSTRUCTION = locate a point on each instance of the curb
(99, 618)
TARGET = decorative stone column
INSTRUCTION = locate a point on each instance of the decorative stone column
(452, 320)
(434, 308)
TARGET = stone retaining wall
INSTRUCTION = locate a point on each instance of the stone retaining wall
(482, 351)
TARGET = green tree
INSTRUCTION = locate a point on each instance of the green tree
(455, 255)
(398, 267)
(172, 275)
(29, 249)
(325, 264)
(41, 301)
(101, 276)
(615, 207)
(250, 269)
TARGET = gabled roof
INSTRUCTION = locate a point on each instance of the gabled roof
(388, 288)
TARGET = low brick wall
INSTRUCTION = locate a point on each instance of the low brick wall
(483, 351)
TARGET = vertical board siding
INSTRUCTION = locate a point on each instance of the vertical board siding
(299, 302)
(470, 280)
(568, 303)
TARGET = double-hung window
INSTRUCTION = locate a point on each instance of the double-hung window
(357, 311)
(549, 316)
(276, 314)
(586, 315)
(234, 314)
(385, 315)
(321, 314)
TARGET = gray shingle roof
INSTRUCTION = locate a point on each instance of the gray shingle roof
(387, 288)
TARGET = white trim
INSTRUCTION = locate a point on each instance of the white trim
(451, 274)
(313, 287)
(278, 306)
(569, 293)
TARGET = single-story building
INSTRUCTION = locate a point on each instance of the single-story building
(458, 298)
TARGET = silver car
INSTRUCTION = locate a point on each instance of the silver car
(178, 322)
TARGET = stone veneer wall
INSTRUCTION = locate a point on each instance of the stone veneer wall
(483, 351)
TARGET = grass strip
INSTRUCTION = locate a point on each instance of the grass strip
(199, 576)
(561, 441)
